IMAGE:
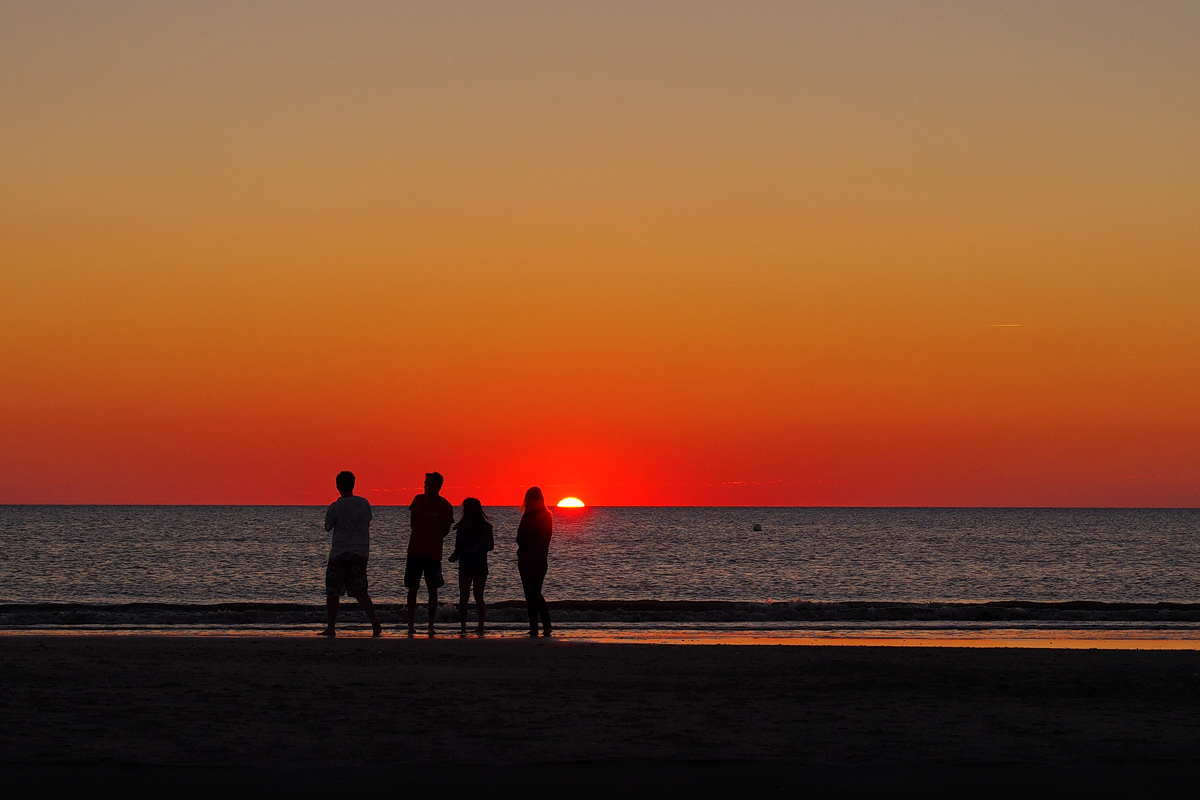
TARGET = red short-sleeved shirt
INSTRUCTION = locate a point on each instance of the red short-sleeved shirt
(431, 518)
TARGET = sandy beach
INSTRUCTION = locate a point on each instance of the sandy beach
(220, 715)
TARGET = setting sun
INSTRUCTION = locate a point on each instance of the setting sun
(570, 502)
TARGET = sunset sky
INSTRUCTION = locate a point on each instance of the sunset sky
(941, 253)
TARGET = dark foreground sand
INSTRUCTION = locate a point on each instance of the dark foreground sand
(234, 717)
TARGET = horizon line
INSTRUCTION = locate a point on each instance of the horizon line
(493, 505)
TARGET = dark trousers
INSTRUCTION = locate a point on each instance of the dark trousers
(533, 575)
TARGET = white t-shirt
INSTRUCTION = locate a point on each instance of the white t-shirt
(350, 519)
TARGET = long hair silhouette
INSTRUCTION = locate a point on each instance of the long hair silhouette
(533, 545)
(472, 510)
(534, 501)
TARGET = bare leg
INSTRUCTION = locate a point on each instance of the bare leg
(480, 608)
(464, 595)
(412, 610)
(331, 612)
(364, 600)
(545, 613)
(432, 608)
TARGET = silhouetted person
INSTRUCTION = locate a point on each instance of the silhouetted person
(349, 517)
(533, 546)
(430, 516)
(472, 542)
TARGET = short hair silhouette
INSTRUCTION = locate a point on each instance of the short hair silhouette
(345, 481)
(435, 478)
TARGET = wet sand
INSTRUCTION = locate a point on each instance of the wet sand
(449, 717)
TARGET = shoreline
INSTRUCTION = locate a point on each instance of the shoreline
(1001, 624)
(791, 614)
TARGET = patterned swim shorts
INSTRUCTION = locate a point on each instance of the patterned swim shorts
(346, 574)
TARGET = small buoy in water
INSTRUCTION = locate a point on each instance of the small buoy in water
(758, 526)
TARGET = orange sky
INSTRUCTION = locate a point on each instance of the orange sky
(831, 254)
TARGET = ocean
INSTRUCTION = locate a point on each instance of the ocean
(827, 570)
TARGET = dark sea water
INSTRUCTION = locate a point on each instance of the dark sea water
(806, 565)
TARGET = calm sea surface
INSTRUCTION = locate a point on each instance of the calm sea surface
(272, 554)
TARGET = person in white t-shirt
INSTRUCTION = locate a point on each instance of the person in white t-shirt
(349, 517)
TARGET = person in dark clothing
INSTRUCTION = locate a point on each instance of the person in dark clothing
(472, 541)
(430, 517)
(533, 546)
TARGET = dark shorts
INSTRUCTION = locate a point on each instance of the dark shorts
(431, 568)
(469, 571)
(346, 574)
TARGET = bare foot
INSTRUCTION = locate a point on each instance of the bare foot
(330, 632)
(431, 632)
(377, 629)
(480, 630)
(412, 631)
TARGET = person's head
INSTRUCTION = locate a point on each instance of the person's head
(433, 482)
(345, 483)
(472, 510)
(534, 501)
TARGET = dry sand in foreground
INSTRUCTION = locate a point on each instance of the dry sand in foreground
(285, 705)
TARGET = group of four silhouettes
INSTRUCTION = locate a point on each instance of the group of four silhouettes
(431, 519)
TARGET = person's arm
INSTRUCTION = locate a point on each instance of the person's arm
(330, 517)
(448, 519)
(489, 540)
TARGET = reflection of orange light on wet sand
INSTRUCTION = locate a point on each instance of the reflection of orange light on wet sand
(570, 502)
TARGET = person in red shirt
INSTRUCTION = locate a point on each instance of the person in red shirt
(430, 517)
